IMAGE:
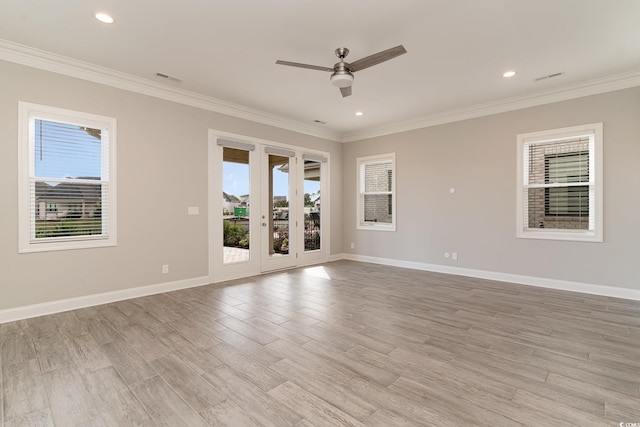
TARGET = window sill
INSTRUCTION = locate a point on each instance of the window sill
(376, 227)
(28, 247)
(565, 235)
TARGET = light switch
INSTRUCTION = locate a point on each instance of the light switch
(193, 210)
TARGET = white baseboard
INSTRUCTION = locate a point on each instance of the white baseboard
(337, 257)
(564, 285)
(35, 310)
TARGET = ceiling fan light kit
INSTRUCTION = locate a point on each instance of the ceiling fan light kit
(342, 80)
(342, 72)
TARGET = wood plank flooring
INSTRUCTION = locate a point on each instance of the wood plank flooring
(340, 344)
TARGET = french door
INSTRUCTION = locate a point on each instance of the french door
(279, 203)
(270, 218)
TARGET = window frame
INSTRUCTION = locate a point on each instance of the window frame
(361, 224)
(594, 233)
(28, 113)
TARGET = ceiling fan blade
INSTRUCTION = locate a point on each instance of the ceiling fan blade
(377, 58)
(345, 91)
(299, 65)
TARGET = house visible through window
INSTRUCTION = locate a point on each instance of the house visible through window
(67, 185)
(376, 192)
(569, 201)
(390, 196)
(560, 184)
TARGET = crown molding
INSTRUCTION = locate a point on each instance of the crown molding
(25, 55)
(587, 88)
(36, 58)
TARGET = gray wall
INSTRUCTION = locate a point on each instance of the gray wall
(477, 157)
(162, 169)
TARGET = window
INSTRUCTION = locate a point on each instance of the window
(390, 196)
(560, 184)
(66, 179)
(567, 201)
(376, 192)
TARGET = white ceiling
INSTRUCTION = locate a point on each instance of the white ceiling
(457, 50)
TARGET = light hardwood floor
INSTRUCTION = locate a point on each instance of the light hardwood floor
(344, 343)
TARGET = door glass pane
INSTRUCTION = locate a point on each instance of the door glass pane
(311, 205)
(279, 197)
(235, 204)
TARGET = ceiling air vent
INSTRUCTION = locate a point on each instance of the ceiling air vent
(549, 76)
(168, 77)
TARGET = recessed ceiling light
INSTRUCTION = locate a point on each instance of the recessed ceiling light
(103, 17)
(359, 113)
(509, 74)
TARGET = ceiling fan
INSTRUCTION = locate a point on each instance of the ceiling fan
(342, 72)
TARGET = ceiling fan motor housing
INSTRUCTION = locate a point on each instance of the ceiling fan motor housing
(341, 77)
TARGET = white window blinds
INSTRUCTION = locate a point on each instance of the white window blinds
(68, 192)
(560, 194)
(235, 144)
(376, 192)
(67, 184)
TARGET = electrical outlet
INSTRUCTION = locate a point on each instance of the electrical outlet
(165, 268)
(353, 245)
(454, 256)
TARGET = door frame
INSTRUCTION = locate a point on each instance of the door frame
(218, 270)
